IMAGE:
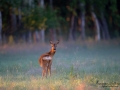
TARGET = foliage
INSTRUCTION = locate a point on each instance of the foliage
(10, 3)
(35, 18)
(72, 7)
(40, 18)
(99, 4)
(52, 19)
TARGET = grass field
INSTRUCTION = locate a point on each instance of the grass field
(75, 67)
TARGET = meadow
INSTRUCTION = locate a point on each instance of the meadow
(76, 66)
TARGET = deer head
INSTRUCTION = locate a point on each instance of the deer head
(54, 45)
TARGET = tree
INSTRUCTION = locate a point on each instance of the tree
(82, 16)
(52, 22)
(99, 7)
(8, 10)
(0, 26)
(35, 19)
(97, 36)
(72, 9)
(41, 3)
(24, 18)
(113, 18)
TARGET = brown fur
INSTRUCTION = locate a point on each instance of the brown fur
(41, 61)
(46, 64)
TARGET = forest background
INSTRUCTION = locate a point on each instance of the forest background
(33, 21)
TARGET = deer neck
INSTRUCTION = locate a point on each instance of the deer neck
(52, 52)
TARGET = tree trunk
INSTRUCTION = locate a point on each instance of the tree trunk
(51, 34)
(29, 33)
(29, 2)
(105, 27)
(42, 31)
(35, 37)
(13, 20)
(60, 37)
(53, 29)
(4, 39)
(54, 35)
(43, 35)
(97, 36)
(0, 27)
(24, 37)
(41, 3)
(102, 29)
(29, 36)
(51, 4)
(83, 25)
(82, 15)
(19, 17)
(71, 28)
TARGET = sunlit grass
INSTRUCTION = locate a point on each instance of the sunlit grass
(74, 67)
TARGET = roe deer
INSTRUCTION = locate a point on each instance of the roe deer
(45, 60)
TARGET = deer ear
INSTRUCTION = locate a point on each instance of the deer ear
(58, 42)
(51, 42)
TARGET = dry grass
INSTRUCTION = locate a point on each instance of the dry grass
(75, 67)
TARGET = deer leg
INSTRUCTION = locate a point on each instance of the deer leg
(49, 68)
(43, 72)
